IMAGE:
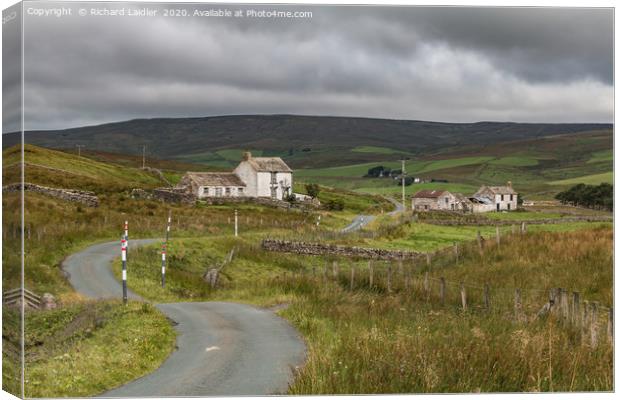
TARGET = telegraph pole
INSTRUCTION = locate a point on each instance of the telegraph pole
(402, 183)
(79, 147)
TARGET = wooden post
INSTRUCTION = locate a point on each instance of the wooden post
(487, 297)
(352, 277)
(517, 304)
(427, 287)
(335, 269)
(463, 297)
(479, 240)
(585, 320)
(497, 236)
(610, 326)
(389, 278)
(428, 260)
(442, 290)
(564, 305)
(553, 300)
(576, 317)
(370, 274)
(456, 252)
(325, 272)
(594, 324)
(400, 266)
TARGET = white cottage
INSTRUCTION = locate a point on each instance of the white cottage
(265, 176)
(212, 184)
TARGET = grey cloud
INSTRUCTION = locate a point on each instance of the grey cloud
(448, 64)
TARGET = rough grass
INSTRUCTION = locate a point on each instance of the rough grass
(88, 347)
(606, 177)
(369, 341)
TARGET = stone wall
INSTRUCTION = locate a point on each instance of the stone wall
(173, 196)
(304, 248)
(492, 222)
(78, 196)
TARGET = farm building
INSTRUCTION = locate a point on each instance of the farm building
(254, 177)
(212, 184)
(503, 198)
(426, 200)
(265, 176)
(487, 198)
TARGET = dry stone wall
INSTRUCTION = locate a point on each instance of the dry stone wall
(304, 248)
(78, 196)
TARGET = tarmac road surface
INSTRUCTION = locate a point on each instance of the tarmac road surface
(223, 348)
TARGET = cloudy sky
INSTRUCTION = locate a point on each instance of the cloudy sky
(441, 64)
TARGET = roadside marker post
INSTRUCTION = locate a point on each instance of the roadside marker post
(124, 259)
(126, 237)
(163, 265)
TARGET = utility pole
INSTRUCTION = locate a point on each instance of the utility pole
(143, 156)
(403, 173)
(79, 147)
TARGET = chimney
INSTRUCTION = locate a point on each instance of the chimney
(246, 156)
(510, 184)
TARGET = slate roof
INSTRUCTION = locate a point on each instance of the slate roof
(502, 189)
(269, 164)
(215, 179)
(428, 194)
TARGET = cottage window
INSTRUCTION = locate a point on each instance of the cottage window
(240, 191)
(218, 192)
(205, 191)
(227, 192)
(446, 199)
(510, 197)
(502, 197)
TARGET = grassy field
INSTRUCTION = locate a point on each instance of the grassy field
(371, 341)
(607, 177)
(85, 348)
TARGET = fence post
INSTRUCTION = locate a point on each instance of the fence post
(487, 297)
(236, 223)
(428, 260)
(352, 277)
(564, 304)
(585, 320)
(497, 235)
(389, 278)
(442, 290)
(427, 287)
(517, 304)
(335, 269)
(325, 272)
(594, 324)
(370, 274)
(479, 240)
(553, 300)
(456, 252)
(163, 265)
(400, 266)
(576, 312)
(463, 297)
(610, 326)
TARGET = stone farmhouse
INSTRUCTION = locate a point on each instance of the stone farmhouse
(486, 199)
(266, 177)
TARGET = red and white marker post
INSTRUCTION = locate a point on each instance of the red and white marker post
(124, 259)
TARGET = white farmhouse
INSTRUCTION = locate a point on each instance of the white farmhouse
(265, 176)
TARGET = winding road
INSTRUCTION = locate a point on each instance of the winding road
(362, 220)
(223, 348)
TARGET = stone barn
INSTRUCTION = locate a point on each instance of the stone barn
(427, 200)
(503, 198)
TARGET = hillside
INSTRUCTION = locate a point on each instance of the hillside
(304, 141)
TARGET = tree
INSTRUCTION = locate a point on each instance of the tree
(313, 190)
(590, 196)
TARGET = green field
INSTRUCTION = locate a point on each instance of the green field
(602, 156)
(606, 177)
(515, 161)
(376, 150)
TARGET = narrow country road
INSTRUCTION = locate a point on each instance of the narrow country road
(223, 348)
(362, 220)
